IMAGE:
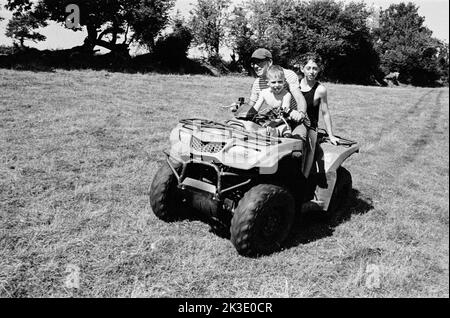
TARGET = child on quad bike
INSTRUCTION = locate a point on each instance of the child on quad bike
(276, 97)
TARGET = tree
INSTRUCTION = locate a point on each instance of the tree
(105, 20)
(148, 18)
(241, 38)
(406, 46)
(291, 28)
(272, 24)
(443, 61)
(21, 26)
(209, 24)
(356, 61)
(172, 48)
(339, 33)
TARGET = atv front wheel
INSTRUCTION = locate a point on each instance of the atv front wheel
(338, 207)
(165, 202)
(262, 220)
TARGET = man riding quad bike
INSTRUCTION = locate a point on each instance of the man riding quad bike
(245, 178)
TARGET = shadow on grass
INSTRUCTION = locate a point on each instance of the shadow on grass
(315, 225)
(308, 226)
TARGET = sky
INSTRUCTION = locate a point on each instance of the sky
(436, 13)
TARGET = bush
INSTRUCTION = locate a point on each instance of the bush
(172, 48)
(8, 50)
(406, 46)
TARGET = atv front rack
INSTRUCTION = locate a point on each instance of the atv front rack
(248, 136)
(215, 190)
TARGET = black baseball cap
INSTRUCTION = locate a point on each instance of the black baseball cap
(261, 54)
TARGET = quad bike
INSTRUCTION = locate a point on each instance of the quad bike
(248, 181)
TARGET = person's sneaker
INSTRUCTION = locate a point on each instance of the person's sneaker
(296, 154)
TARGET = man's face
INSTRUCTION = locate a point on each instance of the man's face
(260, 67)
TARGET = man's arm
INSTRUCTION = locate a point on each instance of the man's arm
(286, 103)
(254, 95)
(299, 99)
(294, 88)
(256, 106)
(326, 113)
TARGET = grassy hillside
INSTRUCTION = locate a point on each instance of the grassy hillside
(79, 150)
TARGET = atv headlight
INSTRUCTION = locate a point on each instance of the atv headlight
(174, 136)
(179, 135)
(184, 137)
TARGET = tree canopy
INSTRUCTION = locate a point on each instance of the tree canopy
(209, 23)
(21, 26)
(406, 46)
(105, 20)
(292, 28)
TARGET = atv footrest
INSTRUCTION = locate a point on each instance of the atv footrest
(313, 205)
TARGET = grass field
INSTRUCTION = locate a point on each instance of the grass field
(79, 151)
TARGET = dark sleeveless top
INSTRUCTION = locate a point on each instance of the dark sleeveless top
(312, 110)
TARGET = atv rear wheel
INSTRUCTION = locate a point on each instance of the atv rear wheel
(262, 220)
(338, 207)
(165, 202)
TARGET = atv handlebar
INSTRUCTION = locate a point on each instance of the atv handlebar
(272, 114)
(235, 106)
(232, 107)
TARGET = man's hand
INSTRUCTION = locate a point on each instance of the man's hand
(333, 140)
(234, 107)
(297, 116)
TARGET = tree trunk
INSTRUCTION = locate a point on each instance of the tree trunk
(90, 41)
(94, 39)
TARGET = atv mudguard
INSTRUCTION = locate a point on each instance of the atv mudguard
(328, 158)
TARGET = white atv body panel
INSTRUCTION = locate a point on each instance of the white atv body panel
(232, 148)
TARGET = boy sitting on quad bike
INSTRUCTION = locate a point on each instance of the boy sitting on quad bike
(276, 97)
